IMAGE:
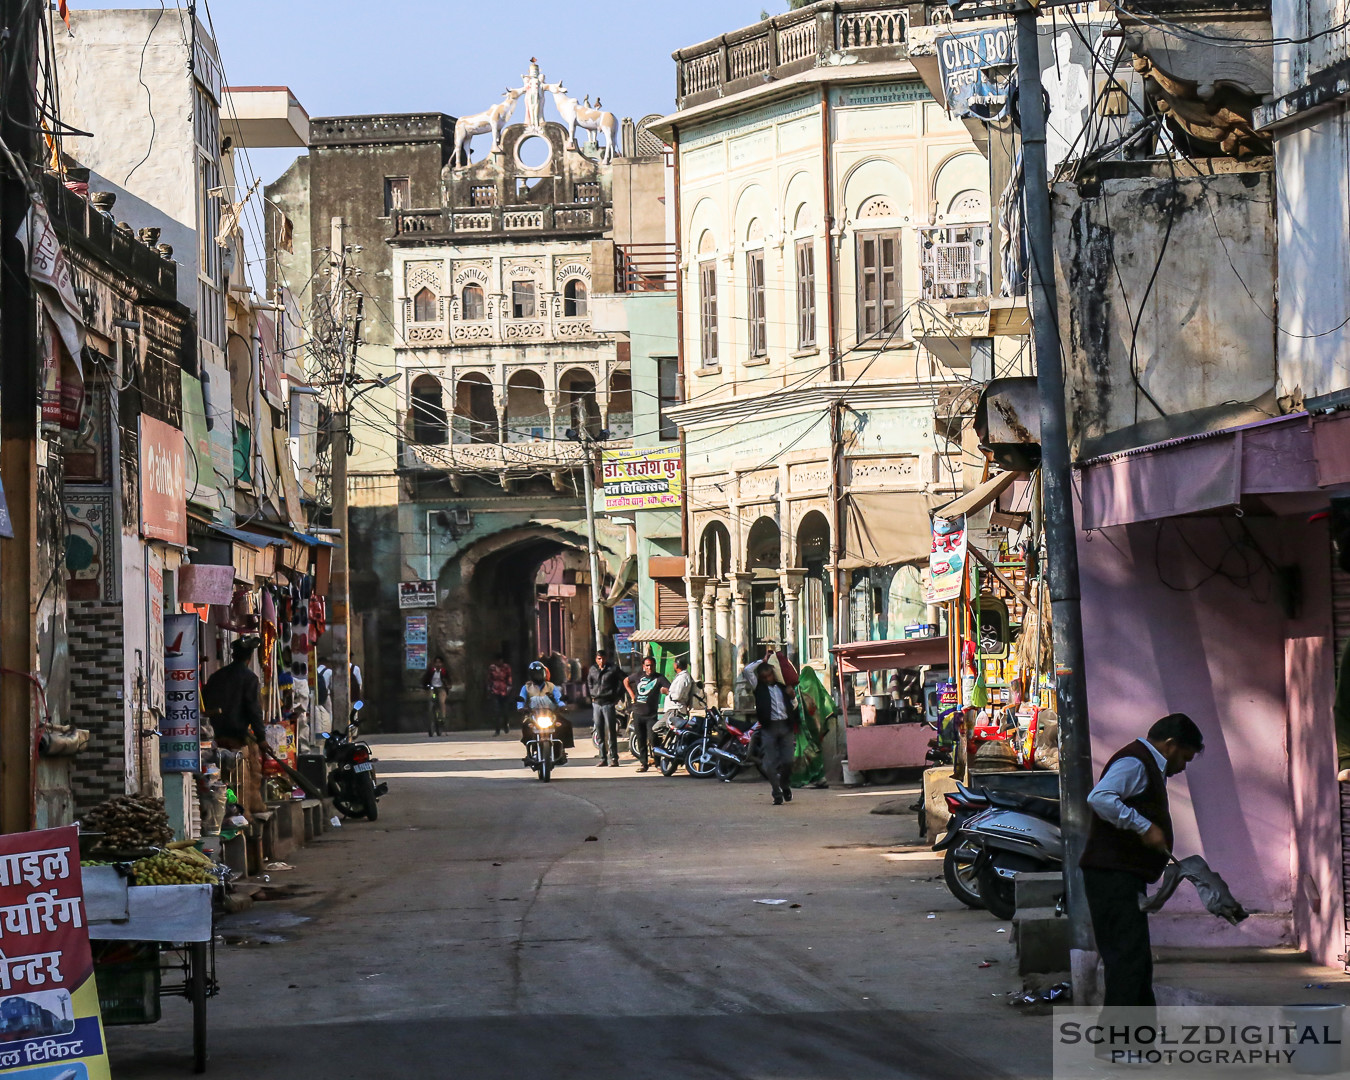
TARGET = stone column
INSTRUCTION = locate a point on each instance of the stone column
(709, 629)
(695, 588)
(726, 660)
(744, 630)
(792, 582)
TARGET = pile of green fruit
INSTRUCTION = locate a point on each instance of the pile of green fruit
(181, 866)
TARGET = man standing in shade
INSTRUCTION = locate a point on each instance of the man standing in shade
(604, 686)
(1129, 845)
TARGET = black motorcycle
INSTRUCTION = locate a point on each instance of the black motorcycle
(703, 757)
(352, 784)
(672, 736)
(544, 749)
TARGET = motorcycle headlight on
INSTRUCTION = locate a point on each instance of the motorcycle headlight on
(543, 721)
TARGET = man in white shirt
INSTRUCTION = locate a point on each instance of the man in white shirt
(1129, 845)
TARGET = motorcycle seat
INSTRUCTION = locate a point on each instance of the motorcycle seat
(1036, 805)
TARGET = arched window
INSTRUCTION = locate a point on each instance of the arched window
(428, 412)
(714, 551)
(424, 305)
(763, 545)
(574, 299)
(471, 308)
(527, 418)
(580, 404)
(475, 410)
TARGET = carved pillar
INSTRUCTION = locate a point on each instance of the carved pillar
(709, 639)
(694, 588)
(792, 582)
(551, 400)
(744, 631)
(726, 660)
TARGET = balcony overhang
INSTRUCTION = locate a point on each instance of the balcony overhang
(263, 117)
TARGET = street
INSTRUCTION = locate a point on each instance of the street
(489, 925)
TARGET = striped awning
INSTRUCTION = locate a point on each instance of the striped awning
(666, 636)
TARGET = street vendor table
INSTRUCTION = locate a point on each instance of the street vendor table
(175, 921)
(878, 747)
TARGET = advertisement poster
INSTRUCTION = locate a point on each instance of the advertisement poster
(642, 479)
(947, 559)
(415, 642)
(416, 594)
(180, 747)
(50, 1025)
(625, 614)
(417, 657)
(163, 474)
(977, 70)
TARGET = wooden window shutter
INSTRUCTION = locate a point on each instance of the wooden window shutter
(672, 609)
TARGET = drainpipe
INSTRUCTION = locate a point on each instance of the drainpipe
(836, 371)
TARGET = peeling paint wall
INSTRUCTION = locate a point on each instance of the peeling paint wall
(1166, 296)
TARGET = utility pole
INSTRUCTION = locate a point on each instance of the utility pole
(339, 585)
(1075, 747)
(18, 423)
(597, 608)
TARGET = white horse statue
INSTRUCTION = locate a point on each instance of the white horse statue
(490, 120)
(576, 115)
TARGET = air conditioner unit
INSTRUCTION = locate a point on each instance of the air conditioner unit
(954, 264)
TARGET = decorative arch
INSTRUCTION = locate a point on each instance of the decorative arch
(960, 176)
(472, 303)
(576, 298)
(429, 422)
(580, 400)
(620, 414)
(764, 545)
(527, 418)
(751, 203)
(813, 539)
(714, 551)
(707, 243)
(707, 217)
(475, 409)
(877, 177)
(798, 192)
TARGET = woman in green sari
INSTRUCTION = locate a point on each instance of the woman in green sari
(817, 711)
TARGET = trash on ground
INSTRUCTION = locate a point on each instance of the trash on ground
(771, 903)
(280, 866)
(335, 821)
(589, 839)
(987, 963)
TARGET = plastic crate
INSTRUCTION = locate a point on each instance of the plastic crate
(128, 985)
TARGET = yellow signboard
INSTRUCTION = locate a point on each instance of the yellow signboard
(642, 479)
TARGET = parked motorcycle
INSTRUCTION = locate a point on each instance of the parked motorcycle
(1016, 834)
(352, 783)
(544, 750)
(736, 749)
(701, 758)
(672, 737)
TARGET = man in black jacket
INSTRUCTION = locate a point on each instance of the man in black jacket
(1128, 847)
(233, 701)
(604, 686)
(778, 719)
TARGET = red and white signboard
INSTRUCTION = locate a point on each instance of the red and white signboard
(163, 482)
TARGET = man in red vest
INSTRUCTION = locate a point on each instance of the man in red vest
(1128, 847)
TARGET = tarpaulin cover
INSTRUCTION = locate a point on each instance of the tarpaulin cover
(886, 529)
(882, 655)
(201, 583)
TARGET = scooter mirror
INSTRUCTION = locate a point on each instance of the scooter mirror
(358, 706)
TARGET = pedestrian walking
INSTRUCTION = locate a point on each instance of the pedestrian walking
(502, 691)
(778, 720)
(605, 686)
(1129, 845)
(437, 683)
(645, 690)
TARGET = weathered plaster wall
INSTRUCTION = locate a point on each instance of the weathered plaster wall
(1141, 250)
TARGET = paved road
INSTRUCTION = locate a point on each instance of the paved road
(489, 926)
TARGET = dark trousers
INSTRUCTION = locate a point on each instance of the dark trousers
(504, 711)
(643, 724)
(1121, 930)
(779, 748)
(607, 724)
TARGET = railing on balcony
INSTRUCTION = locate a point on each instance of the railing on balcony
(645, 267)
(497, 219)
(784, 45)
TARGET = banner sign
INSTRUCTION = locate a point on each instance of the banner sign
(642, 479)
(415, 642)
(50, 1024)
(977, 70)
(163, 476)
(415, 594)
(180, 746)
(947, 559)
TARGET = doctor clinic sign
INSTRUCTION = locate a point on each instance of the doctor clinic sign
(163, 476)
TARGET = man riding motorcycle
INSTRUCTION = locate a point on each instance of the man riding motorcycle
(540, 693)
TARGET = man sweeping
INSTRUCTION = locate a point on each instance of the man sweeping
(1129, 845)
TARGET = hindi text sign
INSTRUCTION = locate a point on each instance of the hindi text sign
(642, 479)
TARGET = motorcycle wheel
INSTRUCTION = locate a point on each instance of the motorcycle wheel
(962, 879)
(668, 765)
(349, 801)
(633, 742)
(545, 769)
(997, 892)
(728, 770)
(369, 801)
(695, 764)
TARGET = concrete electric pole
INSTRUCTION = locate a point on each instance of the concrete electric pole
(339, 584)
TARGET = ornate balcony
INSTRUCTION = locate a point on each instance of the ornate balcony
(818, 35)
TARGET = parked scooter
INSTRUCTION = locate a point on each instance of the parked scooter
(544, 750)
(352, 783)
(1016, 834)
(958, 860)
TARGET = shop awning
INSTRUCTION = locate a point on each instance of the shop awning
(313, 541)
(976, 500)
(252, 539)
(886, 529)
(666, 636)
(624, 582)
(879, 655)
(1201, 472)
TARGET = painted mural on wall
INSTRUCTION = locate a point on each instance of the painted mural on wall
(90, 555)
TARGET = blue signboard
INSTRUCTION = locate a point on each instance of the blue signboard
(978, 68)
